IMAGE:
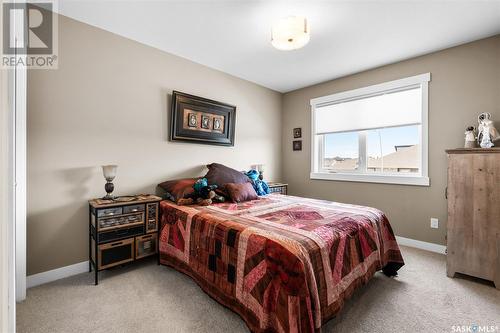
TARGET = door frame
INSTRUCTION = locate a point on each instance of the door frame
(15, 91)
(19, 159)
(17, 97)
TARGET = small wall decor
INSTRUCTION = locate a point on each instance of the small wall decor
(192, 122)
(297, 145)
(297, 132)
(205, 121)
(487, 133)
(200, 120)
(470, 137)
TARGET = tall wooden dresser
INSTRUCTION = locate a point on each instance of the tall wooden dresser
(473, 228)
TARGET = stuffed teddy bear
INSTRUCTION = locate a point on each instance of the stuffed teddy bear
(203, 195)
(260, 186)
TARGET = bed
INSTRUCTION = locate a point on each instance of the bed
(283, 263)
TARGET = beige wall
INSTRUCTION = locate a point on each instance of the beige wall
(465, 82)
(107, 103)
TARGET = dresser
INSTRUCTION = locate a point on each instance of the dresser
(278, 188)
(473, 227)
(122, 230)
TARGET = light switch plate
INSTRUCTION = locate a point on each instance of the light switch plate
(434, 223)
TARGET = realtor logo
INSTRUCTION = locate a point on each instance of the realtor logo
(29, 34)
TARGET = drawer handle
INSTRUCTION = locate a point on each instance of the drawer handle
(134, 210)
(109, 214)
(117, 243)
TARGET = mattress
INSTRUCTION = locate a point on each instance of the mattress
(283, 263)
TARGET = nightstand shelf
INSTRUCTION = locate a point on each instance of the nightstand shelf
(122, 230)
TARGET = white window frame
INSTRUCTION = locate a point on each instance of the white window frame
(317, 146)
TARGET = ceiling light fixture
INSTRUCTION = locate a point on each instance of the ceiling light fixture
(290, 33)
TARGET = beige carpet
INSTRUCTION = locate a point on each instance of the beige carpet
(145, 297)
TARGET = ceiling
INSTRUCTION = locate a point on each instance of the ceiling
(346, 36)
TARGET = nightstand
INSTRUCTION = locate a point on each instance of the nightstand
(122, 230)
(278, 188)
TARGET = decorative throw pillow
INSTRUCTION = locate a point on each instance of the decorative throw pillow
(220, 175)
(178, 188)
(240, 192)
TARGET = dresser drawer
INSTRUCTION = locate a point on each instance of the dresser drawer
(133, 209)
(120, 221)
(145, 245)
(109, 211)
(107, 236)
(116, 253)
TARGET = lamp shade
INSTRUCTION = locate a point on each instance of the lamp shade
(109, 171)
(290, 33)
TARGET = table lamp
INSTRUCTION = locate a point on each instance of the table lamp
(109, 172)
(260, 168)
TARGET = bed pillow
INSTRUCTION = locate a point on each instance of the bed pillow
(178, 188)
(240, 192)
(221, 175)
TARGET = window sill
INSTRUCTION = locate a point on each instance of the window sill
(365, 178)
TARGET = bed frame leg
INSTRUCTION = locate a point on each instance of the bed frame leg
(391, 269)
(389, 272)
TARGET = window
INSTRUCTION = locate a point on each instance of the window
(373, 134)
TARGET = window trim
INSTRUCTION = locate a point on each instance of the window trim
(422, 179)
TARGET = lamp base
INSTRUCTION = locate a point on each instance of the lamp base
(109, 187)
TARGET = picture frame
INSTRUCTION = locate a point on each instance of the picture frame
(205, 121)
(297, 132)
(217, 124)
(192, 122)
(297, 145)
(197, 119)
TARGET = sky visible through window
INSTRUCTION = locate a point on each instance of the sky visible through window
(346, 144)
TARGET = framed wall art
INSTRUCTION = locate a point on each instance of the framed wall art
(297, 145)
(200, 120)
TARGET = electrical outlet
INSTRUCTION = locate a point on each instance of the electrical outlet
(434, 223)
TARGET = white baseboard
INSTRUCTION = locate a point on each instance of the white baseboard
(56, 274)
(82, 267)
(421, 245)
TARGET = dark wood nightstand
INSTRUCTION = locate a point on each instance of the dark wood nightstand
(278, 188)
(122, 230)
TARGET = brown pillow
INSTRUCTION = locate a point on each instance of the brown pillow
(178, 188)
(220, 175)
(241, 192)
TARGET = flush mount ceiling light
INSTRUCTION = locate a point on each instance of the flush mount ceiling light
(290, 33)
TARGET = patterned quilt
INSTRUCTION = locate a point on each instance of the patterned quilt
(283, 263)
